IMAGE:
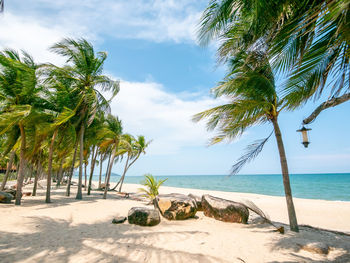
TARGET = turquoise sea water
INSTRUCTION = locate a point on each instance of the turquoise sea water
(312, 186)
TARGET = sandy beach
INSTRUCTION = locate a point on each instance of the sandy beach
(68, 230)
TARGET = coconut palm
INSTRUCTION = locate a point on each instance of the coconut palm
(21, 101)
(152, 188)
(253, 99)
(111, 138)
(307, 40)
(84, 69)
(134, 149)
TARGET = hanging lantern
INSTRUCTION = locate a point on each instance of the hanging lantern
(304, 136)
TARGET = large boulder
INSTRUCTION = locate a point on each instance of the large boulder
(11, 191)
(5, 197)
(177, 206)
(143, 216)
(224, 210)
(198, 201)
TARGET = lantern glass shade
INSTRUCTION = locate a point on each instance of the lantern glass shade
(304, 136)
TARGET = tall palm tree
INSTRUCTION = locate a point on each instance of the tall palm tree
(21, 101)
(253, 99)
(84, 69)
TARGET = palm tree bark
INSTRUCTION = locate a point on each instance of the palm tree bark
(8, 170)
(100, 176)
(72, 170)
(93, 160)
(285, 174)
(127, 168)
(60, 174)
(124, 172)
(85, 177)
(36, 178)
(20, 175)
(108, 174)
(49, 169)
(79, 192)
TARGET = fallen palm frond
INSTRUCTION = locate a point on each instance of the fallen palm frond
(253, 207)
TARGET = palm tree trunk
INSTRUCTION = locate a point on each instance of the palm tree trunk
(93, 160)
(49, 169)
(60, 174)
(124, 172)
(100, 176)
(85, 177)
(36, 178)
(108, 174)
(8, 170)
(79, 192)
(287, 189)
(20, 175)
(69, 181)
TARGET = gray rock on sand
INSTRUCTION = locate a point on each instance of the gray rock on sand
(119, 220)
(316, 247)
(11, 191)
(177, 206)
(5, 197)
(143, 216)
(224, 210)
(198, 201)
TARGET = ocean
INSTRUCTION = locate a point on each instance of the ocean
(330, 186)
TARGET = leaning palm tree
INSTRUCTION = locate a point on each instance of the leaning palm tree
(85, 69)
(253, 99)
(134, 149)
(111, 138)
(308, 40)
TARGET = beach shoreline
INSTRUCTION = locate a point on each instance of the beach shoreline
(70, 230)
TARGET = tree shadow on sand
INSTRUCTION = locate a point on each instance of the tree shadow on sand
(61, 241)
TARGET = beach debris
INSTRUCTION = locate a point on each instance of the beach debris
(316, 247)
(198, 200)
(143, 216)
(5, 197)
(254, 208)
(224, 210)
(177, 206)
(119, 220)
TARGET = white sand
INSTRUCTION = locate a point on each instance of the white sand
(68, 230)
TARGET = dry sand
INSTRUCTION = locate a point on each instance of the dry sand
(69, 230)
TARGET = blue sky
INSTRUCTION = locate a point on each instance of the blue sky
(165, 79)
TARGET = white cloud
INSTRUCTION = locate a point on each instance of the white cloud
(156, 20)
(28, 34)
(147, 109)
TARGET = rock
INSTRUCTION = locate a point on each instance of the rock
(177, 206)
(119, 220)
(12, 192)
(5, 197)
(143, 216)
(316, 247)
(224, 210)
(198, 201)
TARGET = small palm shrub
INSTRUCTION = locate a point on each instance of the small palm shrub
(151, 189)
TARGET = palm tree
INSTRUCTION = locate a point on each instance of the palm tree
(20, 101)
(152, 188)
(112, 138)
(134, 149)
(307, 40)
(253, 99)
(84, 69)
